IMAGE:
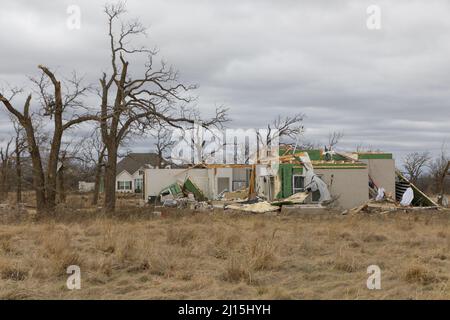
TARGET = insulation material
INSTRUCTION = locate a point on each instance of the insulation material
(236, 195)
(296, 198)
(259, 207)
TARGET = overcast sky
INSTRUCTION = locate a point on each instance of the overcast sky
(387, 88)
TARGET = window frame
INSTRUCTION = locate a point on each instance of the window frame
(139, 184)
(124, 185)
(303, 189)
(293, 183)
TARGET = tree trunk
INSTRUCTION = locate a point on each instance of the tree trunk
(38, 171)
(61, 186)
(3, 182)
(52, 170)
(98, 179)
(19, 175)
(160, 159)
(110, 178)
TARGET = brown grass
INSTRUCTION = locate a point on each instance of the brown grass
(204, 255)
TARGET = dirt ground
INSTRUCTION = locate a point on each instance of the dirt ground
(220, 255)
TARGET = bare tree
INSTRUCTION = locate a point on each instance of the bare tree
(61, 103)
(163, 143)
(437, 169)
(5, 166)
(334, 138)
(135, 103)
(286, 127)
(94, 154)
(414, 164)
(309, 145)
(20, 147)
(289, 127)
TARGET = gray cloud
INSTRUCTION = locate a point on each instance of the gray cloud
(387, 88)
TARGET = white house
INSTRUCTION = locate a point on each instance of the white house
(84, 186)
(130, 171)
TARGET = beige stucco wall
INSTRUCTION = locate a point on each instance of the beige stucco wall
(382, 171)
(351, 185)
(213, 175)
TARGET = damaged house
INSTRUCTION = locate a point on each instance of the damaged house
(315, 177)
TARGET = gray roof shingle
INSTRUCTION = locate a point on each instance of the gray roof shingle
(134, 161)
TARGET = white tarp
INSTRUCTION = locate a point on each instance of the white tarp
(445, 201)
(407, 197)
(312, 181)
(380, 195)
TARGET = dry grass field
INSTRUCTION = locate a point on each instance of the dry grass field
(220, 255)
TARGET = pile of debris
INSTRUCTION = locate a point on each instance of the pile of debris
(385, 206)
(407, 198)
(257, 207)
(182, 196)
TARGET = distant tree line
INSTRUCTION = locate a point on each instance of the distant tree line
(428, 172)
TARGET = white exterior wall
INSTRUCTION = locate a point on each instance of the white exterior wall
(125, 176)
(86, 186)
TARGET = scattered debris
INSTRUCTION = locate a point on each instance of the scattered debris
(296, 198)
(236, 195)
(171, 203)
(303, 209)
(386, 206)
(190, 186)
(258, 207)
(171, 192)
